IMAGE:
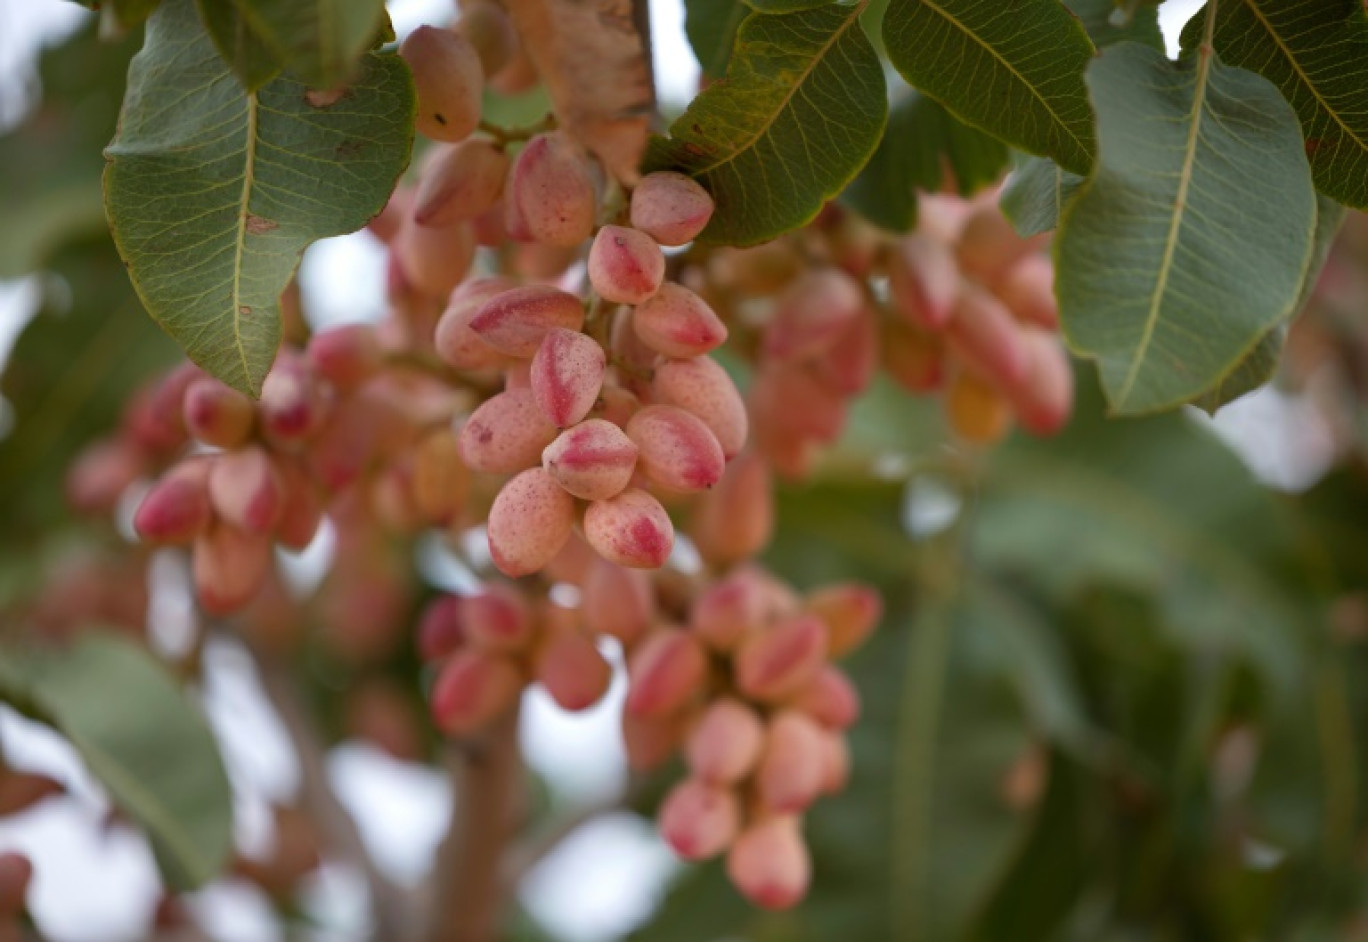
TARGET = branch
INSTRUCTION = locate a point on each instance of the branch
(470, 889)
(641, 21)
(339, 830)
(526, 854)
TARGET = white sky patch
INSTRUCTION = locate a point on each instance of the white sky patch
(1173, 16)
(602, 881)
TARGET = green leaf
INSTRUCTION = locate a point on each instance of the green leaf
(1259, 367)
(914, 847)
(125, 14)
(1302, 793)
(384, 32)
(1036, 194)
(129, 13)
(700, 906)
(1193, 237)
(1159, 507)
(1014, 70)
(1337, 510)
(1055, 865)
(711, 27)
(1139, 24)
(212, 193)
(141, 738)
(319, 41)
(885, 422)
(801, 110)
(1316, 52)
(51, 162)
(1329, 218)
(72, 371)
(1037, 665)
(515, 110)
(244, 49)
(922, 142)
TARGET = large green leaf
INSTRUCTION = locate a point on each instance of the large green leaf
(213, 193)
(319, 41)
(141, 738)
(1013, 68)
(922, 143)
(1259, 366)
(1193, 237)
(1316, 52)
(800, 112)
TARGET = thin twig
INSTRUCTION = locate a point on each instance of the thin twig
(526, 854)
(641, 20)
(339, 830)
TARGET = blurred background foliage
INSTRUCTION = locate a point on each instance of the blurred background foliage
(1119, 694)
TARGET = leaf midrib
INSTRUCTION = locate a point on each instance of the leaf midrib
(1306, 79)
(1206, 57)
(1008, 66)
(853, 18)
(240, 244)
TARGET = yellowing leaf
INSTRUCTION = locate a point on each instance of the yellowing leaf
(802, 108)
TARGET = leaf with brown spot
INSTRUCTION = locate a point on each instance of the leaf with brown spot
(593, 62)
(213, 192)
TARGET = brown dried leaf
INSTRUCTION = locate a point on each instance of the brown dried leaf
(593, 62)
